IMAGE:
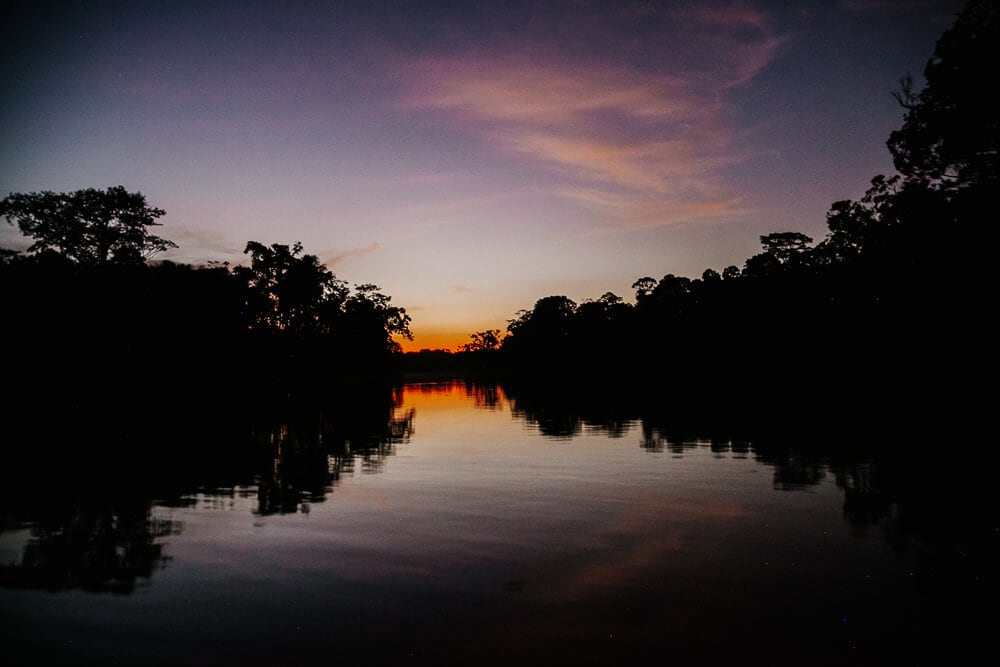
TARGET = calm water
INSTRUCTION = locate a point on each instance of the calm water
(479, 528)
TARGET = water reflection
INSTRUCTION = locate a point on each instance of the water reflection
(508, 517)
(489, 396)
(92, 547)
(92, 525)
(308, 458)
(923, 495)
(561, 415)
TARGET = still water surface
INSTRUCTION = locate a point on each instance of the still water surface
(473, 531)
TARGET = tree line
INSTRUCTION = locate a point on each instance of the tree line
(90, 320)
(893, 304)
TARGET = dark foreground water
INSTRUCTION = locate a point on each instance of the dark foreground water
(476, 526)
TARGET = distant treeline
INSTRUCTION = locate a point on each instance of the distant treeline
(893, 305)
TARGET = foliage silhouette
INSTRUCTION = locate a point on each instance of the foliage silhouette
(950, 136)
(94, 323)
(786, 247)
(288, 291)
(86, 488)
(92, 227)
(884, 316)
(483, 341)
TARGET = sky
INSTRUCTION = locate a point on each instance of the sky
(469, 158)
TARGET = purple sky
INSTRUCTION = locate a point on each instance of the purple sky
(469, 158)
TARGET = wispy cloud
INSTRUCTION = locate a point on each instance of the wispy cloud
(622, 212)
(198, 245)
(518, 89)
(422, 217)
(639, 135)
(335, 259)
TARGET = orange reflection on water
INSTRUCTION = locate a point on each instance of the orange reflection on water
(438, 397)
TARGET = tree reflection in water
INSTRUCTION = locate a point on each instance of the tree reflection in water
(92, 547)
(309, 457)
(89, 498)
(921, 487)
(94, 529)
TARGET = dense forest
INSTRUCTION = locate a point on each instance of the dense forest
(889, 310)
(92, 322)
(891, 307)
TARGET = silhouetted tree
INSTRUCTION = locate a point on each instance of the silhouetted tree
(483, 341)
(866, 226)
(643, 287)
(609, 308)
(950, 136)
(286, 290)
(303, 318)
(785, 246)
(711, 277)
(372, 321)
(91, 227)
(601, 328)
(672, 292)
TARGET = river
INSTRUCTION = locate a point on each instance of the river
(473, 525)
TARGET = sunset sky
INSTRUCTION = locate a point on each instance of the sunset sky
(469, 158)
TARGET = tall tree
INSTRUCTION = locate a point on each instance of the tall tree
(483, 341)
(287, 290)
(371, 321)
(785, 246)
(91, 227)
(951, 132)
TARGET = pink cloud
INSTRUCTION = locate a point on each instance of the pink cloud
(517, 89)
(624, 212)
(333, 260)
(640, 143)
(207, 245)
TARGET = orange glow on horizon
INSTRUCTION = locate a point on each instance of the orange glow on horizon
(435, 340)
